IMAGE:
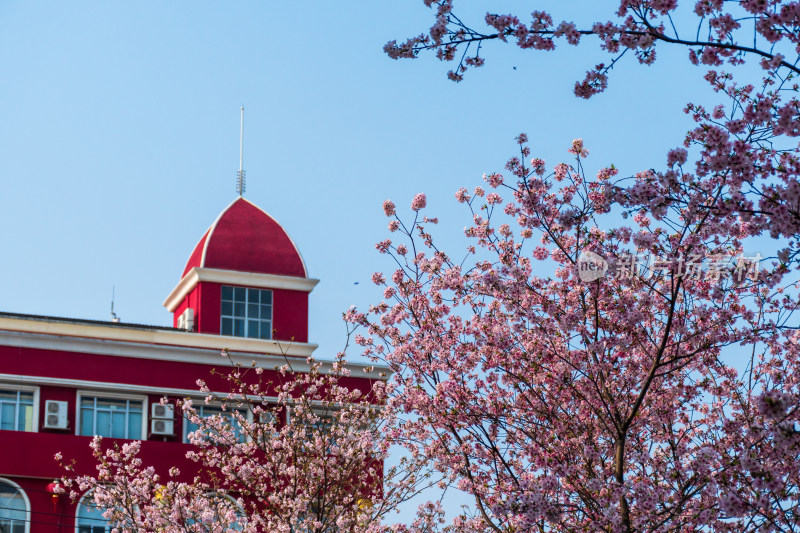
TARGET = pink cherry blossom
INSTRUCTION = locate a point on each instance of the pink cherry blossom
(330, 449)
(609, 396)
(578, 149)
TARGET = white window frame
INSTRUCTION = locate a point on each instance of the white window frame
(319, 410)
(111, 395)
(25, 499)
(26, 388)
(246, 318)
(87, 494)
(201, 404)
(231, 499)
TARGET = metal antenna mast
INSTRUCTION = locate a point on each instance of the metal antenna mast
(240, 173)
(114, 317)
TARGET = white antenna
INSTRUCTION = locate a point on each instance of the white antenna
(240, 173)
(114, 317)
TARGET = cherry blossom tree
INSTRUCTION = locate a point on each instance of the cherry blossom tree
(610, 376)
(572, 373)
(321, 471)
(748, 141)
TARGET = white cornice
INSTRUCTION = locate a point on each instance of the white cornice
(165, 345)
(149, 339)
(234, 277)
(33, 382)
(88, 385)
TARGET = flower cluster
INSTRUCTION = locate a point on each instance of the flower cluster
(500, 355)
(308, 457)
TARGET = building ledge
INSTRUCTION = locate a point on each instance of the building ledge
(152, 336)
(233, 277)
(161, 343)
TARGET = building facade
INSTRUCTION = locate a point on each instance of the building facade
(245, 288)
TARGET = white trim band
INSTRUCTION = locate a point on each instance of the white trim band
(109, 389)
(143, 343)
(235, 277)
(24, 333)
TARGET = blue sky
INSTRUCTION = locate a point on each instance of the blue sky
(119, 138)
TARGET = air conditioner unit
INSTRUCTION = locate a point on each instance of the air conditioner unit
(186, 319)
(55, 414)
(162, 427)
(158, 410)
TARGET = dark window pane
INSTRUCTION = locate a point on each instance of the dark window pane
(227, 308)
(227, 326)
(238, 309)
(118, 428)
(240, 294)
(252, 328)
(252, 310)
(7, 416)
(252, 296)
(266, 297)
(134, 426)
(266, 312)
(227, 292)
(103, 424)
(265, 332)
(114, 404)
(87, 422)
(238, 327)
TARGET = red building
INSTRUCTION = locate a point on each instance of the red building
(245, 287)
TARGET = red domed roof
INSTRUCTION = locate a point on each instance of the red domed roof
(246, 239)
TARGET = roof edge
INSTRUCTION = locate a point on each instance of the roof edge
(235, 277)
(211, 229)
(296, 248)
(149, 340)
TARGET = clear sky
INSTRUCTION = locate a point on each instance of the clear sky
(119, 138)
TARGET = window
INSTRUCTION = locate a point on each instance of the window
(90, 516)
(207, 411)
(117, 418)
(324, 418)
(14, 514)
(316, 422)
(220, 511)
(16, 410)
(246, 312)
(267, 427)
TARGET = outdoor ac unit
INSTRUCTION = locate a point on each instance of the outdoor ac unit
(186, 320)
(158, 410)
(55, 414)
(162, 427)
